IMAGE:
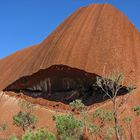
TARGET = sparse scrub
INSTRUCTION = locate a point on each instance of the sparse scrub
(25, 106)
(130, 88)
(137, 110)
(94, 130)
(103, 115)
(77, 105)
(13, 137)
(40, 134)
(127, 120)
(24, 120)
(109, 134)
(3, 127)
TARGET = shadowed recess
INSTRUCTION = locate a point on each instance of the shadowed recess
(60, 83)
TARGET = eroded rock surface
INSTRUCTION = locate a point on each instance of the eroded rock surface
(97, 39)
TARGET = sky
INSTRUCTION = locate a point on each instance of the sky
(25, 23)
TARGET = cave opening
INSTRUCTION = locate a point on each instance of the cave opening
(60, 83)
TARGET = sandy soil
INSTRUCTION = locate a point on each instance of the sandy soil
(9, 107)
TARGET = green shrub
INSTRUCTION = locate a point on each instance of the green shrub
(13, 138)
(24, 120)
(137, 110)
(94, 129)
(109, 133)
(77, 105)
(127, 120)
(28, 136)
(103, 115)
(40, 134)
(68, 127)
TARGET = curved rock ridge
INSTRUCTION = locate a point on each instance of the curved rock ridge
(56, 78)
(97, 39)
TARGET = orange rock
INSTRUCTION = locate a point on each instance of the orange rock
(97, 39)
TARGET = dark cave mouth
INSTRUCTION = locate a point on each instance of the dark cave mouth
(60, 83)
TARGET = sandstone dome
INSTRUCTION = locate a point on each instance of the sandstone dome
(94, 40)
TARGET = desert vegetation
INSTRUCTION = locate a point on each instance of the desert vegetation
(68, 127)
(3, 127)
(77, 105)
(137, 110)
(25, 119)
(79, 124)
(112, 86)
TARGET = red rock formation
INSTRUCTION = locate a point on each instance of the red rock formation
(97, 39)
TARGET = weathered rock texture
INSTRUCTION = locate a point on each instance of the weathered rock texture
(54, 79)
(97, 39)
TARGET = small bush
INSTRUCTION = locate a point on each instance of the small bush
(68, 127)
(13, 138)
(3, 127)
(28, 136)
(94, 129)
(109, 133)
(24, 120)
(77, 105)
(127, 120)
(103, 115)
(130, 88)
(40, 134)
(26, 106)
(137, 110)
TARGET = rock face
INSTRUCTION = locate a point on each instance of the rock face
(97, 39)
(57, 78)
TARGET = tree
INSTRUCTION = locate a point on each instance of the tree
(111, 87)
